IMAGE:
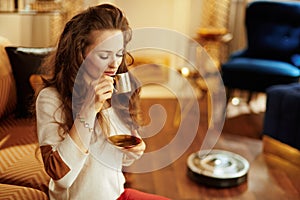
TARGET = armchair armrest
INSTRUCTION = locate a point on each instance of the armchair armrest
(238, 53)
(295, 60)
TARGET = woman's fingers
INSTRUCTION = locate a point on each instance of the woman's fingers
(103, 91)
(104, 88)
(98, 92)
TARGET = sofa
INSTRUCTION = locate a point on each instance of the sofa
(22, 175)
(281, 120)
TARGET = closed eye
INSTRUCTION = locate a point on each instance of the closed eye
(120, 53)
(103, 56)
(106, 54)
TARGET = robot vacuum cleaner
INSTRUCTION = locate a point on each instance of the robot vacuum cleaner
(217, 168)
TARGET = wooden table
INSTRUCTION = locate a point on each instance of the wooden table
(269, 177)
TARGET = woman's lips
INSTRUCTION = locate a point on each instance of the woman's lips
(110, 73)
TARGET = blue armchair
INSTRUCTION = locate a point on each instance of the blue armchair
(272, 55)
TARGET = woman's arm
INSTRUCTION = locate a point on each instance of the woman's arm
(63, 157)
(64, 154)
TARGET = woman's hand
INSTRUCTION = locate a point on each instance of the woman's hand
(138, 149)
(99, 92)
(103, 91)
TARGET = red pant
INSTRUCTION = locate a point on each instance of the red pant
(131, 194)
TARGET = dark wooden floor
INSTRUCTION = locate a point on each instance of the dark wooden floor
(269, 177)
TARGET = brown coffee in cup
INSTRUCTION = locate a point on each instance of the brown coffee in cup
(124, 141)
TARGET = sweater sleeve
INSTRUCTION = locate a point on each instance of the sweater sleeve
(63, 160)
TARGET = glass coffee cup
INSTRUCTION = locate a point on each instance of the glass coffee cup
(122, 83)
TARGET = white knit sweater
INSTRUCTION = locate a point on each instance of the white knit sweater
(93, 175)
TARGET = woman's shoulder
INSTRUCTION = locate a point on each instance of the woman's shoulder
(48, 93)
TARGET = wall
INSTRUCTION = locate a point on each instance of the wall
(237, 25)
(183, 16)
(30, 29)
(179, 15)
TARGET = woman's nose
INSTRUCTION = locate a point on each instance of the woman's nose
(114, 62)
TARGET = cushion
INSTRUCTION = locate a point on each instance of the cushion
(18, 192)
(36, 81)
(7, 84)
(21, 162)
(25, 61)
(263, 66)
(257, 74)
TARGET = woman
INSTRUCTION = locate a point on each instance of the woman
(78, 109)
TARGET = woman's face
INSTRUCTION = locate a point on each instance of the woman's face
(105, 54)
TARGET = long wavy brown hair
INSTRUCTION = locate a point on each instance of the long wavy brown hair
(65, 61)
